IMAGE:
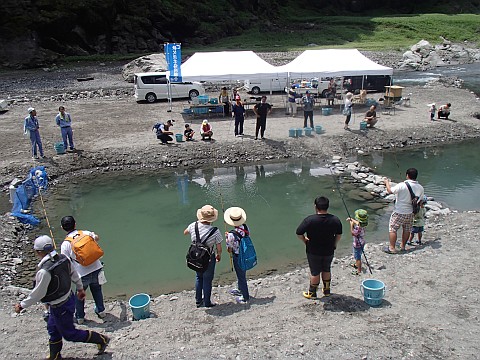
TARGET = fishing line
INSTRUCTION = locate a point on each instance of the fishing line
(348, 213)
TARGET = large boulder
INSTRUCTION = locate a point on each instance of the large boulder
(147, 63)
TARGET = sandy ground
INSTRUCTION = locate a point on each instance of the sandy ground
(431, 307)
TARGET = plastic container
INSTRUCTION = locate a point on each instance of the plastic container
(318, 129)
(299, 132)
(179, 137)
(140, 305)
(292, 132)
(213, 101)
(373, 291)
(308, 131)
(59, 148)
(363, 125)
(326, 111)
(203, 99)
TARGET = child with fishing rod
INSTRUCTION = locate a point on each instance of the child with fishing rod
(357, 228)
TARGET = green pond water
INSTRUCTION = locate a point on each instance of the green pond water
(140, 219)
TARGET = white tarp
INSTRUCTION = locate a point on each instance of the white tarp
(226, 65)
(331, 63)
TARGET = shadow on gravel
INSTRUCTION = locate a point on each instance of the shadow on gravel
(227, 309)
(346, 303)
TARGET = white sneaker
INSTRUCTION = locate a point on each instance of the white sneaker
(241, 300)
(80, 321)
(102, 314)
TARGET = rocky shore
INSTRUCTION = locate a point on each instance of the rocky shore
(421, 316)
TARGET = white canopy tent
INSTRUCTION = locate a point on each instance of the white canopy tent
(226, 65)
(331, 63)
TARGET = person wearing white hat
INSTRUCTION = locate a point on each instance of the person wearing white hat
(236, 217)
(206, 131)
(347, 110)
(31, 125)
(53, 288)
(213, 239)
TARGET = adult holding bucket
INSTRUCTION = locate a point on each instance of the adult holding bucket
(64, 120)
(323, 232)
(203, 231)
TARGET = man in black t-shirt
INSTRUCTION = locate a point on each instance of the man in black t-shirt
(323, 232)
(262, 110)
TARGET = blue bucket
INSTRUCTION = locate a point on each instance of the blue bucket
(318, 129)
(326, 111)
(292, 133)
(373, 291)
(363, 125)
(179, 137)
(59, 148)
(140, 305)
(299, 132)
(308, 131)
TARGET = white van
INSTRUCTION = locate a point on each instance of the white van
(154, 85)
(256, 86)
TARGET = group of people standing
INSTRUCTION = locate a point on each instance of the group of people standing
(202, 231)
(31, 126)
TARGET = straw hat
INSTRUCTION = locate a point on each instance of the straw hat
(235, 216)
(207, 213)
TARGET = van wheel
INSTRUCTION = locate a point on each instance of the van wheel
(151, 97)
(324, 93)
(255, 90)
(193, 94)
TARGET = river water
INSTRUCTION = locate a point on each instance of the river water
(141, 219)
(470, 73)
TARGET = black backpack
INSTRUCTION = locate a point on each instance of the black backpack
(415, 199)
(198, 254)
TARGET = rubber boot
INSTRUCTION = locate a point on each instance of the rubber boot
(326, 287)
(55, 349)
(99, 339)
(311, 293)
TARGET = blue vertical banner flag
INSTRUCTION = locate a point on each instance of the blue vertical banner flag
(173, 55)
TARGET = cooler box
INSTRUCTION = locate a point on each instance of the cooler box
(203, 99)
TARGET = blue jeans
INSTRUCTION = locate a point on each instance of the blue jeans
(96, 290)
(67, 133)
(36, 141)
(203, 284)
(241, 278)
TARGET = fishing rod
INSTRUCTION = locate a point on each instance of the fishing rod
(223, 208)
(44, 209)
(348, 213)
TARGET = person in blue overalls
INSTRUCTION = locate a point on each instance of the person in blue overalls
(53, 283)
(64, 120)
(31, 125)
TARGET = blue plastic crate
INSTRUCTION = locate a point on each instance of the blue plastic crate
(203, 99)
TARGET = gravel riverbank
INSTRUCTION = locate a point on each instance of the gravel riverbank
(431, 308)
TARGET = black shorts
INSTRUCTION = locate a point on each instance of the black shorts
(318, 263)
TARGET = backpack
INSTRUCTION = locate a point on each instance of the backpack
(85, 248)
(198, 254)
(415, 199)
(247, 256)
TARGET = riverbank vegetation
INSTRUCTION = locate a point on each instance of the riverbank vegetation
(396, 32)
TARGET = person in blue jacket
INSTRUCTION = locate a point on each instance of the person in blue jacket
(31, 125)
(64, 120)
